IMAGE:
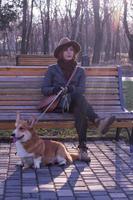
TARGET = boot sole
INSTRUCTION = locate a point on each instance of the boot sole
(86, 160)
(106, 128)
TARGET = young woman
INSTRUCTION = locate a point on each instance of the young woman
(56, 79)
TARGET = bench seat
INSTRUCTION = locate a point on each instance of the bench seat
(20, 89)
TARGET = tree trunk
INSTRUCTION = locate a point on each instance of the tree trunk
(117, 43)
(29, 28)
(8, 43)
(108, 42)
(4, 43)
(0, 3)
(24, 28)
(107, 48)
(75, 25)
(47, 28)
(98, 32)
(129, 35)
(43, 30)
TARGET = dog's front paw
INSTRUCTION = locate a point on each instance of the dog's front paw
(37, 165)
(19, 164)
(26, 167)
(37, 162)
(62, 162)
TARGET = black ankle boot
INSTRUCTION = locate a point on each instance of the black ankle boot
(83, 154)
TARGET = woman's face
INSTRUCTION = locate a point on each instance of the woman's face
(68, 53)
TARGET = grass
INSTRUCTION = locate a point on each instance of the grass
(71, 133)
(128, 94)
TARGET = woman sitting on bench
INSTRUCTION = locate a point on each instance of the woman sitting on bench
(72, 99)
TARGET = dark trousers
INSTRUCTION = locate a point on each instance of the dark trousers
(83, 112)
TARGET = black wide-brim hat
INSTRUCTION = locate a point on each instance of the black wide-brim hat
(66, 42)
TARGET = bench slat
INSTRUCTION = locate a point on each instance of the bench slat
(39, 84)
(35, 60)
(36, 102)
(20, 79)
(101, 91)
(18, 91)
(102, 96)
(101, 85)
(102, 79)
(20, 85)
(34, 108)
(39, 71)
(62, 117)
(21, 98)
(64, 124)
(38, 91)
(32, 97)
(102, 71)
(36, 79)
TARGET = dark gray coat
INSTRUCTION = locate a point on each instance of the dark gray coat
(55, 77)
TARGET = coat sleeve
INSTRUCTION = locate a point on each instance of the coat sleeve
(81, 82)
(47, 86)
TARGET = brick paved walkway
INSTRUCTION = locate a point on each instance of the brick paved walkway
(109, 176)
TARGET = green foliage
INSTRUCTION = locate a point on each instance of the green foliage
(128, 85)
(18, 3)
(8, 14)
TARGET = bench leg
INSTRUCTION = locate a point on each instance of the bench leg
(131, 141)
(118, 131)
(129, 134)
(131, 138)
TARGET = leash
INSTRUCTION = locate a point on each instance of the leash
(62, 89)
(40, 116)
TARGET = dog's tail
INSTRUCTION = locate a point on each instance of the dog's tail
(75, 156)
(71, 156)
(68, 156)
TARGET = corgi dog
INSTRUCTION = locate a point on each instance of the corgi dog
(33, 150)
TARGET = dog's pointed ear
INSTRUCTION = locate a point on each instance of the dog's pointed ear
(32, 121)
(17, 116)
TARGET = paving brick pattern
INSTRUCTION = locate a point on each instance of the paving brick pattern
(108, 177)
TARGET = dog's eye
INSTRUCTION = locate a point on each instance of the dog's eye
(21, 128)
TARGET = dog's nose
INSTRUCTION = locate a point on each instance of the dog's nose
(13, 134)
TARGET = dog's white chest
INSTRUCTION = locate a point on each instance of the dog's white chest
(21, 152)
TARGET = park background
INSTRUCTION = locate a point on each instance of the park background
(102, 27)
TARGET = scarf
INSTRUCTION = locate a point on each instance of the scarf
(67, 67)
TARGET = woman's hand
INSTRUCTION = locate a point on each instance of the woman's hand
(64, 90)
(56, 89)
(70, 88)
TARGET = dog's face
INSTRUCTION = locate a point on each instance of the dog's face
(22, 130)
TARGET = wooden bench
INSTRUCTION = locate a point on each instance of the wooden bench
(20, 90)
(34, 60)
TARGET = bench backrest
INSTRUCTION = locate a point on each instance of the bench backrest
(34, 60)
(20, 88)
